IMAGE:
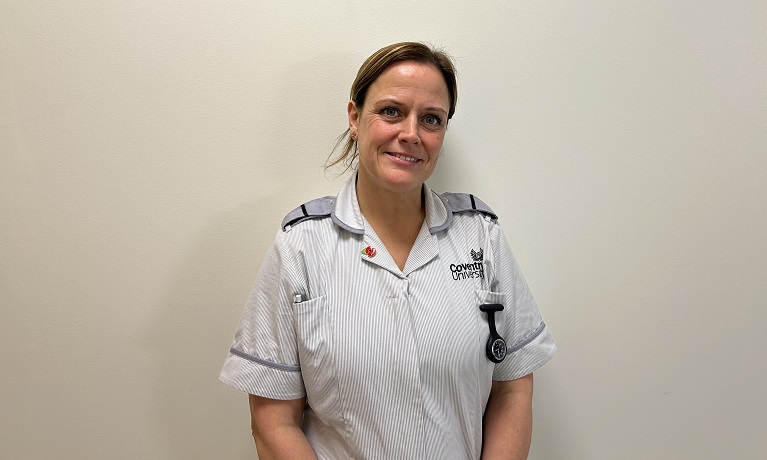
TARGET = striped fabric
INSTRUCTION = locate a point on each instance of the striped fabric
(392, 362)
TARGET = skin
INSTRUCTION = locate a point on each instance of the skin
(399, 130)
(508, 423)
(276, 427)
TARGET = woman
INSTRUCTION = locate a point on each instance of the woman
(374, 329)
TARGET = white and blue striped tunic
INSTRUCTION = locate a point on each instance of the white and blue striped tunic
(392, 362)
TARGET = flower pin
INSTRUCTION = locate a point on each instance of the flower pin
(369, 251)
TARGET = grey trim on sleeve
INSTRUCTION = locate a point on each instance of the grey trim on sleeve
(526, 340)
(264, 362)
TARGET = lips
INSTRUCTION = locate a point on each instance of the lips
(404, 157)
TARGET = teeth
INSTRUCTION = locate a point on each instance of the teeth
(410, 159)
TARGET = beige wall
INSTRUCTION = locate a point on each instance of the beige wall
(148, 151)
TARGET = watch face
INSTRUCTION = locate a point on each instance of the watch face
(499, 349)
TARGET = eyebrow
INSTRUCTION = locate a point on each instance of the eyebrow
(393, 100)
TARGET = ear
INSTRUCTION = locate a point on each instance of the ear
(354, 115)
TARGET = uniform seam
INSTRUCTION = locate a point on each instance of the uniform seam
(521, 344)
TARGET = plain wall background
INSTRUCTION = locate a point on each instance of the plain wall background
(148, 151)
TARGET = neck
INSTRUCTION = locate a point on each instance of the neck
(391, 209)
(396, 218)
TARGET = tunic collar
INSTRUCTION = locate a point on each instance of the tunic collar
(346, 213)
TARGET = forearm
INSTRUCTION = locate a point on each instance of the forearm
(276, 427)
(284, 442)
(508, 422)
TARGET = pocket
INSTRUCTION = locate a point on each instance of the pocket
(311, 324)
(483, 296)
(318, 369)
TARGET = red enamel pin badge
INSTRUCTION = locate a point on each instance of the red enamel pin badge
(369, 251)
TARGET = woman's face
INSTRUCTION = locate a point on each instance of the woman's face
(400, 127)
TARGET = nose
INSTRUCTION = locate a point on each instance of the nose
(409, 132)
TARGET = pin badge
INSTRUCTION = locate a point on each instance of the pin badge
(369, 251)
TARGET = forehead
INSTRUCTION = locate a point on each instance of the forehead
(410, 78)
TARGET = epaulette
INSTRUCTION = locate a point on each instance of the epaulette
(316, 209)
(459, 203)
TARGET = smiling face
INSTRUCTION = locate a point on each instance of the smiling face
(400, 128)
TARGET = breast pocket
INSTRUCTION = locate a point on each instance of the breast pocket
(483, 297)
(314, 337)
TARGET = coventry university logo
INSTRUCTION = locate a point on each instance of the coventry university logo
(473, 269)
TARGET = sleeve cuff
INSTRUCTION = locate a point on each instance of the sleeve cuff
(528, 358)
(258, 379)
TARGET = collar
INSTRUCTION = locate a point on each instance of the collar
(346, 213)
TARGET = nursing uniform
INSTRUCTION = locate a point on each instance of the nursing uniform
(392, 362)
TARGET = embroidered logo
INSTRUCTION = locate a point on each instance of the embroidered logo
(473, 269)
(369, 251)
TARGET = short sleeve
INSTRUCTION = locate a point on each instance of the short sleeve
(529, 342)
(263, 359)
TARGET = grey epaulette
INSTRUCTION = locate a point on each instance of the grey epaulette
(316, 209)
(465, 202)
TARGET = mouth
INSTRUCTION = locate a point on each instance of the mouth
(403, 157)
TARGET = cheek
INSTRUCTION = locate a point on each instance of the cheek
(434, 142)
(379, 132)
(382, 128)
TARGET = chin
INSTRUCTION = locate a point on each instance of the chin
(403, 184)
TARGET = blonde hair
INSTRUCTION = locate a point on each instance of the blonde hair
(373, 67)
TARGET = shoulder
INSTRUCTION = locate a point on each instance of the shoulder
(464, 203)
(318, 208)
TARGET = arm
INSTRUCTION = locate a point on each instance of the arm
(508, 422)
(276, 427)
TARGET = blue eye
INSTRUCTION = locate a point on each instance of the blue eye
(432, 120)
(390, 112)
